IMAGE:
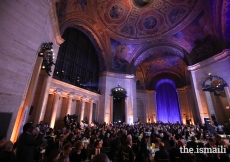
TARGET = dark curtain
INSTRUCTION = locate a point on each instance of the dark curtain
(167, 102)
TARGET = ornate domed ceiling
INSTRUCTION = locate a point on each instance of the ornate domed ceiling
(143, 18)
(157, 38)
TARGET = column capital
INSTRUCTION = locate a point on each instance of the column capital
(58, 91)
(77, 97)
(70, 94)
(92, 100)
(84, 98)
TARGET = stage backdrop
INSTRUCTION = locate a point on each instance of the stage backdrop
(168, 109)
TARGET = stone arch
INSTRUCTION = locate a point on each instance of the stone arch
(150, 49)
(95, 39)
(119, 95)
(176, 77)
(143, 54)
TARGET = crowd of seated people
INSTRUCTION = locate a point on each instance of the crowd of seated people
(113, 142)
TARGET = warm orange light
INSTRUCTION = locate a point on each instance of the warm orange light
(17, 125)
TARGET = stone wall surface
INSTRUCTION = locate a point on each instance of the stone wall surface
(25, 25)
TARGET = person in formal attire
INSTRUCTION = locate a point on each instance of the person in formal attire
(67, 148)
(128, 150)
(201, 155)
(212, 157)
(78, 154)
(60, 142)
(50, 145)
(143, 145)
(53, 156)
(66, 118)
(63, 159)
(162, 153)
(175, 152)
(225, 155)
(100, 158)
(26, 144)
(115, 147)
(7, 154)
(98, 148)
(2, 141)
(191, 145)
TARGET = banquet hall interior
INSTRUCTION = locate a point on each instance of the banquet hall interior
(114, 61)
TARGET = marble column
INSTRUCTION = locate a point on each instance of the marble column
(111, 109)
(40, 112)
(126, 111)
(90, 111)
(57, 94)
(69, 103)
(209, 103)
(226, 89)
(23, 111)
(82, 109)
(96, 110)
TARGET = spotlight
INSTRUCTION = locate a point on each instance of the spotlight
(47, 53)
(40, 54)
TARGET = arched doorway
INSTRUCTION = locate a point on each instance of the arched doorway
(216, 92)
(119, 95)
(168, 109)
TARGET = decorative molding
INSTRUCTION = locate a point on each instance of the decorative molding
(58, 91)
(55, 24)
(71, 88)
(77, 97)
(221, 56)
(71, 94)
(85, 99)
(76, 93)
(118, 75)
(155, 49)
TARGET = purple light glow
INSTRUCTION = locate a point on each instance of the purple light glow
(167, 102)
